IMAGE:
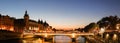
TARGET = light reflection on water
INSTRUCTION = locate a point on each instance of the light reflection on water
(57, 39)
(62, 39)
(80, 40)
(32, 40)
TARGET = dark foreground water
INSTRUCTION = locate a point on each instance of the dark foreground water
(56, 39)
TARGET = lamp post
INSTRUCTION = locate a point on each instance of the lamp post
(118, 30)
(102, 30)
(118, 27)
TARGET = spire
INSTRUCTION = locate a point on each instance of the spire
(38, 20)
(26, 13)
(41, 21)
(46, 24)
(0, 15)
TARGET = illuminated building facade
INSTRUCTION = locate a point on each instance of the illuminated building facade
(6, 22)
(22, 24)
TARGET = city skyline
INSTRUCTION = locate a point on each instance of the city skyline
(62, 13)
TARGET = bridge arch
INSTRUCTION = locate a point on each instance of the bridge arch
(61, 38)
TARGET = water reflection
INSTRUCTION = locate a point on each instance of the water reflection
(80, 40)
(56, 39)
(62, 39)
(33, 40)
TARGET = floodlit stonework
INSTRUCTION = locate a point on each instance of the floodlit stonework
(22, 24)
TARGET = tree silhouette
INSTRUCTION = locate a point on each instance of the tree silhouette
(90, 27)
(109, 22)
(54, 29)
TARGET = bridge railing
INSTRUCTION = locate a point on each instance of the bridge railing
(58, 33)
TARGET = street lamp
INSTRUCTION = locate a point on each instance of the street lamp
(115, 37)
(102, 30)
(107, 36)
(117, 26)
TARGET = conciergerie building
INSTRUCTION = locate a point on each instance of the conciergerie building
(22, 24)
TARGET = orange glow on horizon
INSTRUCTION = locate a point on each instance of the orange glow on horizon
(67, 27)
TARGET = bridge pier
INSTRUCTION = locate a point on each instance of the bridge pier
(21, 36)
(73, 39)
(48, 39)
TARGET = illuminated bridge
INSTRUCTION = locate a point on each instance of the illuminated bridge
(47, 34)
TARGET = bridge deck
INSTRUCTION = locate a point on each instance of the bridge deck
(59, 33)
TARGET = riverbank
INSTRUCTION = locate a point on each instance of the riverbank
(6, 35)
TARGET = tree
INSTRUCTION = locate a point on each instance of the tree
(79, 29)
(54, 29)
(109, 22)
(91, 27)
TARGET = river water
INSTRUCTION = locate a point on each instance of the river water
(56, 39)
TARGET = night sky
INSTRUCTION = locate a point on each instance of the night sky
(62, 14)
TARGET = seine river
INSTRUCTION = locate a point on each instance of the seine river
(56, 39)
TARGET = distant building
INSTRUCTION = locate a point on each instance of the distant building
(23, 24)
(6, 22)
